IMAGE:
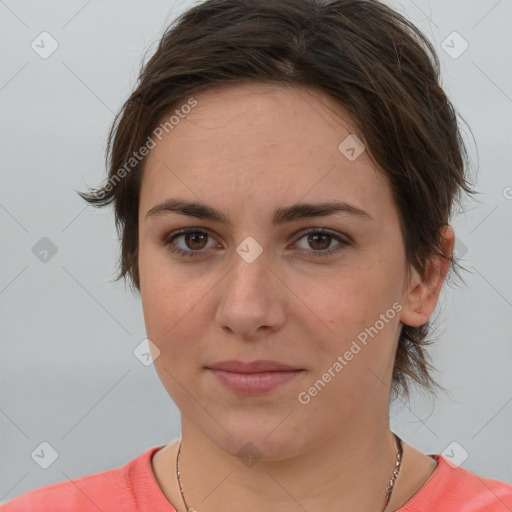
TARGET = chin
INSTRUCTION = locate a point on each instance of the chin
(253, 443)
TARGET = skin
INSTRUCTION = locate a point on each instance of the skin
(246, 150)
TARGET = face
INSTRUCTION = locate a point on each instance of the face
(261, 280)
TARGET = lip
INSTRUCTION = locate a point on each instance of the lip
(255, 377)
(254, 383)
(252, 366)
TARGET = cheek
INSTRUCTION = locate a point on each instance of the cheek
(164, 299)
(361, 310)
(176, 308)
(349, 299)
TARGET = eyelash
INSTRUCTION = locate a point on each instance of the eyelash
(186, 254)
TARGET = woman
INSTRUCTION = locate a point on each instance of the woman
(283, 179)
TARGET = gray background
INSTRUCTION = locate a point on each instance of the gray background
(68, 373)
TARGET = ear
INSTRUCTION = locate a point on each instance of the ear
(422, 293)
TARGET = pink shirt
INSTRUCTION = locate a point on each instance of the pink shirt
(133, 488)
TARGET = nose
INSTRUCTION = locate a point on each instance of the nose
(253, 299)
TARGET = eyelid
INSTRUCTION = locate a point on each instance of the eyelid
(343, 240)
(169, 239)
(342, 237)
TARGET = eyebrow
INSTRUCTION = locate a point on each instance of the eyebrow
(280, 216)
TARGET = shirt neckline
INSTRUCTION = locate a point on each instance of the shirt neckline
(423, 491)
(164, 503)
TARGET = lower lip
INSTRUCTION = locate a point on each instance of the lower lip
(254, 383)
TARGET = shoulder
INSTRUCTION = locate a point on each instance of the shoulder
(106, 490)
(451, 487)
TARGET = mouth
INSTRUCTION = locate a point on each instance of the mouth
(254, 377)
(252, 366)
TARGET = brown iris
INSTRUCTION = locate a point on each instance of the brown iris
(195, 238)
(313, 238)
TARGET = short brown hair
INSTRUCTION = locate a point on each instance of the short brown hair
(367, 57)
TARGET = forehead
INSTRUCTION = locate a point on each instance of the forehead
(262, 142)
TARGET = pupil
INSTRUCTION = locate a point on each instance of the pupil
(195, 237)
(324, 245)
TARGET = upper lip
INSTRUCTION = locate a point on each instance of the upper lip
(251, 367)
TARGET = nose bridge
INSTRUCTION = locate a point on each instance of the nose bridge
(250, 270)
(249, 297)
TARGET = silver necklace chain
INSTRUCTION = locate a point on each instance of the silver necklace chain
(389, 488)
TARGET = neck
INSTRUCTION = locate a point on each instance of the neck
(356, 466)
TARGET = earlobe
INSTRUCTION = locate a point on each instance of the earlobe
(413, 312)
(423, 294)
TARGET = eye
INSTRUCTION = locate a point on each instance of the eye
(321, 239)
(193, 242)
